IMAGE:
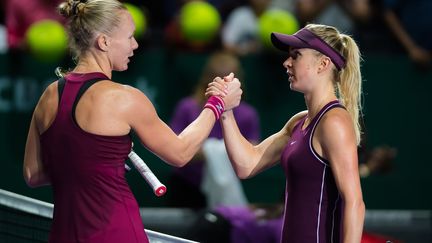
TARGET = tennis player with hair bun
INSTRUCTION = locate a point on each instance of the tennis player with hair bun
(317, 147)
(79, 136)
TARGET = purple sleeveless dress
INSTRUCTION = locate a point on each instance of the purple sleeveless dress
(92, 200)
(313, 207)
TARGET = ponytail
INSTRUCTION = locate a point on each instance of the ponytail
(349, 85)
(347, 80)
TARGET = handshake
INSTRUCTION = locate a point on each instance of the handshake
(228, 89)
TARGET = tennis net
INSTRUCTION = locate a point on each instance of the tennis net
(24, 219)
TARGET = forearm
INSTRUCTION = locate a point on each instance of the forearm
(240, 151)
(353, 220)
(33, 169)
(397, 29)
(358, 9)
(193, 136)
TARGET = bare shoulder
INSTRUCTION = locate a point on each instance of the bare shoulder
(51, 92)
(118, 92)
(294, 119)
(48, 99)
(123, 97)
(337, 118)
(46, 107)
(289, 126)
(336, 125)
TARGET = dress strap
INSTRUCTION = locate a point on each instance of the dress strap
(81, 91)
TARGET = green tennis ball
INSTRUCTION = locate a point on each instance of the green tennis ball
(47, 40)
(276, 20)
(139, 19)
(199, 21)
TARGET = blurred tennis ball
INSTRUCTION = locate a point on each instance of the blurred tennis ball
(139, 19)
(199, 21)
(276, 20)
(47, 40)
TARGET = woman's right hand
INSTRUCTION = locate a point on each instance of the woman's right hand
(228, 88)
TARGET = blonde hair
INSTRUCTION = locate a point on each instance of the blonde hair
(348, 83)
(87, 18)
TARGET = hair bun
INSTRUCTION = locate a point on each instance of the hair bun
(78, 8)
(72, 8)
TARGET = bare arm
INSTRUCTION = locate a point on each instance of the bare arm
(416, 53)
(34, 174)
(176, 150)
(181, 119)
(43, 115)
(357, 9)
(336, 137)
(247, 159)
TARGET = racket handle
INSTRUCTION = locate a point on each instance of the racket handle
(159, 189)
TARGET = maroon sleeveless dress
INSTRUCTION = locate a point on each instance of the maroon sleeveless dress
(92, 200)
(313, 206)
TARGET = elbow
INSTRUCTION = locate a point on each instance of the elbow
(180, 163)
(360, 205)
(28, 177)
(357, 205)
(243, 169)
(31, 184)
(242, 174)
(361, 211)
(30, 181)
(181, 160)
(34, 180)
(362, 208)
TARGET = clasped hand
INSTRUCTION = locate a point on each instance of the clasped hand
(228, 88)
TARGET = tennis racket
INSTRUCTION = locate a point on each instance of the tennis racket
(159, 189)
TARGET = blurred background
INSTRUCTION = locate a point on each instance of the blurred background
(177, 38)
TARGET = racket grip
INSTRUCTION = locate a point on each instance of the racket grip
(159, 189)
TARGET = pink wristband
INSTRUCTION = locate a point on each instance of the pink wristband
(216, 104)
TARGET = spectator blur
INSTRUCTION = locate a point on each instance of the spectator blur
(2, 13)
(410, 22)
(187, 183)
(375, 160)
(343, 14)
(3, 41)
(171, 7)
(255, 223)
(153, 10)
(240, 31)
(287, 5)
(20, 14)
(176, 37)
(379, 160)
